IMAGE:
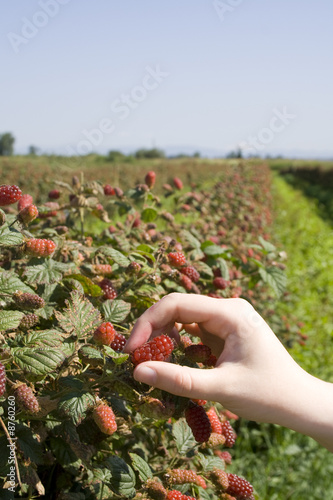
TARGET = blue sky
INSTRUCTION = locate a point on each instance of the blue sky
(205, 75)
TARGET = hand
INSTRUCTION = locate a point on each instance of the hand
(255, 377)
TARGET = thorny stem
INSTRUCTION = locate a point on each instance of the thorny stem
(15, 458)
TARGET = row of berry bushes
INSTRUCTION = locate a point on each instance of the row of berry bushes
(73, 419)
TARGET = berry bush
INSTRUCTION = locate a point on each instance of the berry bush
(84, 428)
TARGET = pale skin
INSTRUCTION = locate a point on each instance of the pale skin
(255, 377)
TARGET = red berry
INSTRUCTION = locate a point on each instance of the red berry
(214, 420)
(118, 342)
(108, 190)
(185, 341)
(9, 195)
(105, 419)
(134, 267)
(25, 201)
(197, 419)
(27, 300)
(28, 214)
(2, 380)
(156, 490)
(104, 334)
(211, 361)
(158, 349)
(150, 179)
(239, 487)
(54, 194)
(198, 353)
(224, 455)
(220, 283)
(191, 272)
(103, 269)
(186, 282)
(229, 433)
(200, 402)
(182, 476)
(26, 399)
(220, 479)
(177, 183)
(40, 248)
(177, 495)
(110, 292)
(177, 259)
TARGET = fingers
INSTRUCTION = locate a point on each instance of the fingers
(180, 380)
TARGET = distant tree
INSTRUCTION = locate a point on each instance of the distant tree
(235, 154)
(114, 155)
(197, 154)
(6, 144)
(33, 150)
(149, 153)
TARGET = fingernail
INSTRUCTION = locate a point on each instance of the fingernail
(145, 374)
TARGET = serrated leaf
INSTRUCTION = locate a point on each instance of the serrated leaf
(191, 240)
(10, 320)
(141, 466)
(145, 249)
(79, 317)
(275, 278)
(149, 214)
(11, 283)
(115, 255)
(223, 267)
(266, 245)
(115, 310)
(10, 236)
(38, 361)
(213, 250)
(47, 272)
(183, 436)
(75, 405)
(208, 462)
(123, 477)
(46, 338)
(117, 357)
(90, 352)
(28, 443)
(204, 269)
(88, 286)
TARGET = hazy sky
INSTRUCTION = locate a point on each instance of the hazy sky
(82, 75)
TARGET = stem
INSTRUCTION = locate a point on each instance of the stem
(15, 458)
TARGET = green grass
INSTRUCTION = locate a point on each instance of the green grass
(281, 463)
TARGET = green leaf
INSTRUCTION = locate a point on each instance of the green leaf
(11, 283)
(117, 357)
(43, 338)
(63, 453)
(29, 444)
(39, 361)
(49, 271)
(115, 310)
(208, 462)
(191, 240)
(183, 436)
(223, 266)
(149, 214)
(267, 246)
(214, 250)
(80, 317)
(141, 466)
(10, 320)
(75, 405)
(10, 236)
(145, 249)
(204, 269)
(275, 278)
(115, 255)
(123, 477)
(90, 353)
(88, 286)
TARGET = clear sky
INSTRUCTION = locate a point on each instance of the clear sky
(200, 74)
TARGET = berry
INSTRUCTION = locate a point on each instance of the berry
(118, 192)
(150, 179)
(105, 419)
(107, 287)
(2, 380)
(177, 183)
(197, 419)
(225, 456)
(228, 433)
(186, 282)
(9, 195)
(220, 283)
(177, 259)
(198, 353)
(200, 402)
(158, 349)
(181, 476)
(118, 343)
(24, 201)
(108, 190)
(220, 479)
(177, 495)
(156, 490)
(54, 194)
(211, 361)
(185, 341)
(104, 334)
(103, 269)
(40, 248)
(214, 420)
(133, 267)
(27, 300)
(28, 321)
(191, 272)
(239, 487)
(215, 440)
(26, 399)
(28, 214)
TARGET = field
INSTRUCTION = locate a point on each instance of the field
(252, 229)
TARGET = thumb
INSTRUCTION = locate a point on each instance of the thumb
(179, 380)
